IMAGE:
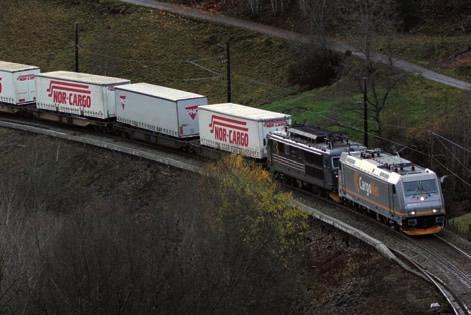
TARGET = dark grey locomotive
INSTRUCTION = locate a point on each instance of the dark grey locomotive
(308, 154)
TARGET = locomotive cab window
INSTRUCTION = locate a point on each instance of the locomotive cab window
(335, 162)
(428, 186)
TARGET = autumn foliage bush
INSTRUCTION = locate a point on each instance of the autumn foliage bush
(248, 194)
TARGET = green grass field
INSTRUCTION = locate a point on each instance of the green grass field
(463, 221)
(432, 50)
(416, 104)
(160, 48)
(436, 51)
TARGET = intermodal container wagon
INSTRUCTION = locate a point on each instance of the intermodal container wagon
(238, 128)
(17, 83)
(159, 109)
(81, 94)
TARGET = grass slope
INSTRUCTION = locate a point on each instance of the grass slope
(463, 221)
(144, 45)
(157, 47)
(449, 54)
(415, 105)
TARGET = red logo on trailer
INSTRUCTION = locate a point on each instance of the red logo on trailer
(276, 123)
(67, 93)
(26, 77)
(229, 130)
(192, 111)
(122, 99)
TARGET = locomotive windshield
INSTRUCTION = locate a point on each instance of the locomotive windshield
(428, 186)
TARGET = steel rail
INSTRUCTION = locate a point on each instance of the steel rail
(454, 246)
(458, 307)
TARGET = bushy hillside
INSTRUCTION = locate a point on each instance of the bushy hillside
(91, 231)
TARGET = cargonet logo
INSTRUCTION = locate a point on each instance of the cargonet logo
(365, 187)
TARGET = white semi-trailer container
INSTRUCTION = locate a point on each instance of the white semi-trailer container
(159, 109)
(76, 93)
(17, 83)
(238, 128)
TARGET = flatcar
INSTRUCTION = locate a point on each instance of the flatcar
(401, 193)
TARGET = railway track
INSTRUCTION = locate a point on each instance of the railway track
(440, 258)
(446, 264)
(444, 259)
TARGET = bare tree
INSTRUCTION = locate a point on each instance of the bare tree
(279, 6)
(255, 6)
(221, 244)
(320, 14)
(316, 64)
(450, 154)
(373, 31)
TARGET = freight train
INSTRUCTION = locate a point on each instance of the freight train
(395, 190)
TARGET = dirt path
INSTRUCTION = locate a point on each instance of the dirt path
(292, 36)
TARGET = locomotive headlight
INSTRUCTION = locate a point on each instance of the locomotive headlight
(434, 210)
(422, 198)
(412, 212)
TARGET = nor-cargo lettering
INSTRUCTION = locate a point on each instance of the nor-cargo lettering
(72, 94)
(276, 123)
(229, 130)
(26, 77)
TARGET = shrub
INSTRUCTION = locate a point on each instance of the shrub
(314, 67)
